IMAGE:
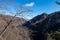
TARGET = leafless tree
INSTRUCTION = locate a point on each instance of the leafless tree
(19, 10)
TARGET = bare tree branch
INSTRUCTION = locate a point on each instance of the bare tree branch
(18, 12)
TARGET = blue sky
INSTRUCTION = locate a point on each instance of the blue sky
(38, 6)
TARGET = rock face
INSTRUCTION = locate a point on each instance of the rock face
(14, 31)
(43, 24)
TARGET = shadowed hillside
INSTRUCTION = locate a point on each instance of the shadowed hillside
(44, 24)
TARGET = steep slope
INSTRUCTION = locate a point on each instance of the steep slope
(44, 24)
(15, 31)
(38, 19)
(37, 28)
(36, 25)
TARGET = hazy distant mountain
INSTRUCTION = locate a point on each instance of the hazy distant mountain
(43, 24)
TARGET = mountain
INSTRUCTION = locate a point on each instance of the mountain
(38, 28)
(14, 30)
(44, 24)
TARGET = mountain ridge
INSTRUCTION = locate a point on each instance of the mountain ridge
(51, 23)
(37, 28)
